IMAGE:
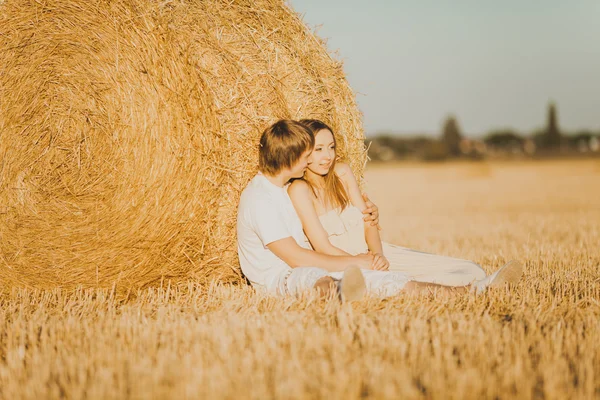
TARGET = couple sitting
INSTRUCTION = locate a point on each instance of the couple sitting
(311, 234)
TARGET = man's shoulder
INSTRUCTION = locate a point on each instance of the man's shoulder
(257, 188)
(256, 196)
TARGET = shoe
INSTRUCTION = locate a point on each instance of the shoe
(352, 286)
(509, 273)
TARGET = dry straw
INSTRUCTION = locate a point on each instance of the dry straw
(129, 128)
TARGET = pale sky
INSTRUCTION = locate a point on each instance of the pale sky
(493, 64)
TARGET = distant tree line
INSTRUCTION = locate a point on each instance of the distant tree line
(451, 143)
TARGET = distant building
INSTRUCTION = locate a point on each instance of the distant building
(451, 137)
(552, 134)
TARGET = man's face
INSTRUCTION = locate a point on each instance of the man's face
(297, 170)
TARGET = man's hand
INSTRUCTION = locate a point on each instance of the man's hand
(371, 213)
(380, 263)
(364, 261)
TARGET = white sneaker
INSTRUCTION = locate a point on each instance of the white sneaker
(509, 273)
(352, 286)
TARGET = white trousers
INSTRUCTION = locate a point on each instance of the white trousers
(379, 283)
(432, 268)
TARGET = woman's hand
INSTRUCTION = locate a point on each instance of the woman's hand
(380, 263)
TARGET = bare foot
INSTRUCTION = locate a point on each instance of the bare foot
(510, 272)
(326, 287)
(352, 285)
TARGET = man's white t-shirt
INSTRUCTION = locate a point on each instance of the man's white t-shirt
(265, 214)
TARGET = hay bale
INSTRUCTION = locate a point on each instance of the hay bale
(128, 129)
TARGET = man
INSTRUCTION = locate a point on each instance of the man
(272, 249)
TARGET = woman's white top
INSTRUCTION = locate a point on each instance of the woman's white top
(346, 229)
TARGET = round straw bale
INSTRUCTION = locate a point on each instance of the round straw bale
(128, 129)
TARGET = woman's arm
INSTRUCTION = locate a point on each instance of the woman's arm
(317, 235)
(371, 232)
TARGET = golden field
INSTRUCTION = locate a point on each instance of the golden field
(538, 340)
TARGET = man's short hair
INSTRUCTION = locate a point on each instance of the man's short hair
(282, 144)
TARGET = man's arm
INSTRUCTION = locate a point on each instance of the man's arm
(295, 256)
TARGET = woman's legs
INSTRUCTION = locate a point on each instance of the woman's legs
(383, 283)
(510, 272)
(391, 283)
(432, 268)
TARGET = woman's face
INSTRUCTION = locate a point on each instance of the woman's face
(323, 154)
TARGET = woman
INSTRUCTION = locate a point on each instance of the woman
(329, 203)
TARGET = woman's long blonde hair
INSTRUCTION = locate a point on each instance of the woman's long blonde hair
(335, 194)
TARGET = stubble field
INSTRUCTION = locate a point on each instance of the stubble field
(538, 340)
